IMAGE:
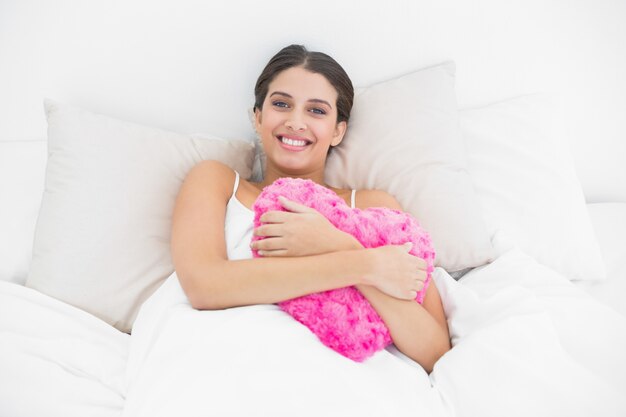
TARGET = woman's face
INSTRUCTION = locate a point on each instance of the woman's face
(298, 122)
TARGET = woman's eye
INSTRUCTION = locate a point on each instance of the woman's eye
(280, 104)
(318, 111)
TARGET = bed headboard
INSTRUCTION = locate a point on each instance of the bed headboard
(190, 66)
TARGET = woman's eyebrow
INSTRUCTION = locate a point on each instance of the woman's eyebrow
(313, 100)
(317, 100)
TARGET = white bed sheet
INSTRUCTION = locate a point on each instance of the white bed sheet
(57, 360)
(609, 224)
(526, 342)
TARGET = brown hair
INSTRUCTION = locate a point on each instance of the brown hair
(316, 62)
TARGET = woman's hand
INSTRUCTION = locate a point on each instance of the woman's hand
(396, 272)
(301, 231)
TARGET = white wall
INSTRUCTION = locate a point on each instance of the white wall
(190, 65)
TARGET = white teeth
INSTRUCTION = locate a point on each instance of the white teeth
(292, 142)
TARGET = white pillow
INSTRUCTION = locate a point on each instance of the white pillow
(523, 171)
(22, 171)
(102, 241)
(403, 137)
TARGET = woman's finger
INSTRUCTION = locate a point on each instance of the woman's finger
(422, 263)
(268, 230)
(275, 216)
(272, 253)
(421, 275)
(270, 243)
(293, 206)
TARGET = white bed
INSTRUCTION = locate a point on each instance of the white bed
(87, 187)
(516, 342)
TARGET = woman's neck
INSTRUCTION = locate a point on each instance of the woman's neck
(272, 175)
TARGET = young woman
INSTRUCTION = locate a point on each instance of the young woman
(302, 107)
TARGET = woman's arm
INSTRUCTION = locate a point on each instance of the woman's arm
(419, 331)
(211, 281)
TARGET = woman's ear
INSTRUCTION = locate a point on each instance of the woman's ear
(340, 131)
(257, 119)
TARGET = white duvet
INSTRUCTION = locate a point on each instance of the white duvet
(57, 360)
(526, 343)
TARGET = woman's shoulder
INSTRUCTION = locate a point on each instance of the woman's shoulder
(212, 167)
(376, 198)
(213, 175)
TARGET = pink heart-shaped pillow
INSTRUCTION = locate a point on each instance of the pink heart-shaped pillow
(342, 318)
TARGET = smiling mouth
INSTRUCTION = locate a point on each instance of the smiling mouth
(297, 143)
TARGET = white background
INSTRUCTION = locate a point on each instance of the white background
(190, 65)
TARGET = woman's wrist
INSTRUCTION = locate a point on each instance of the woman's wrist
(349, 242)
(350, 264)
(360, 259)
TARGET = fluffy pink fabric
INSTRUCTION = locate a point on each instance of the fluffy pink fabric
(343, 319)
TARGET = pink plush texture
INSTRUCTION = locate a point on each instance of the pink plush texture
(343, 319)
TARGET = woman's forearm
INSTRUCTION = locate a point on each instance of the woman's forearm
(232, 283)
(414, 331)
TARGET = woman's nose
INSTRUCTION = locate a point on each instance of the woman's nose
(295, 125)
